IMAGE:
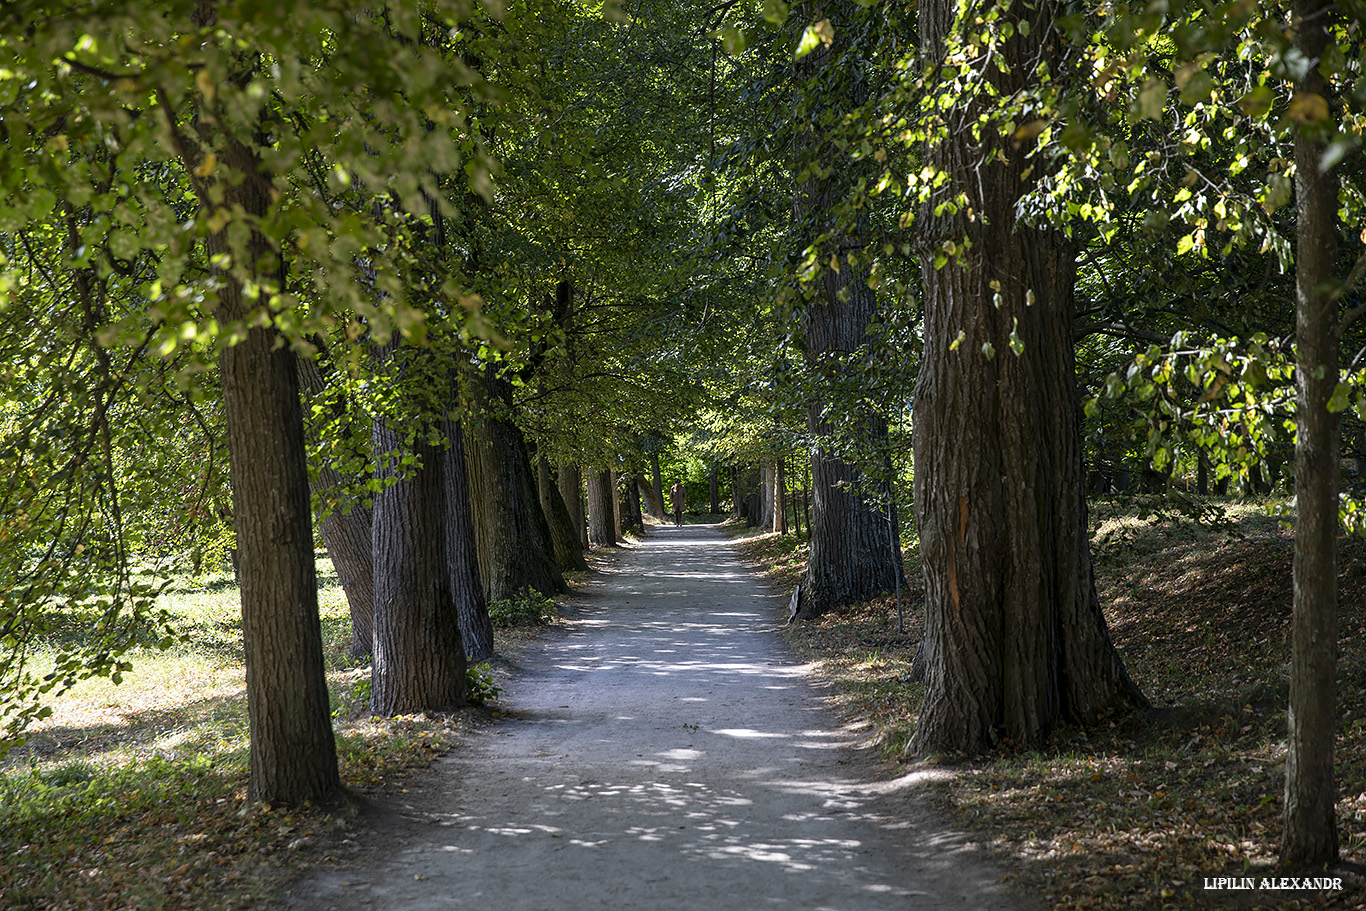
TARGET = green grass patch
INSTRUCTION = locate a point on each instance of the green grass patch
(133, 795)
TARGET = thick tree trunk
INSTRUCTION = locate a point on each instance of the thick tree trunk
(515, 548)
(419, 659)
(568, 552)
(658, 501)
(764, 520)
(1015, 640)
(293, 755)
(1310, 835)
(656, 508)
(345, 529)
(847, 563)
(462, 550)
(571, 490)
(601, 497)
(631, 516)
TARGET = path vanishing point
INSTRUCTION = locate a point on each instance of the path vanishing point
(664, 751)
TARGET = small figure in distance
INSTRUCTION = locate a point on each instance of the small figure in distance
(679, 495)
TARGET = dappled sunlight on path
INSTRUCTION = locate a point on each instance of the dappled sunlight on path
(666, 753)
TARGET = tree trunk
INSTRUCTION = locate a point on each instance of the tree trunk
(515, 548)
(1310, 835)
(848, 560)
(601, 530)
(568, 553)
(292, 756)
(630, 510)
(462, 551)
(419, 658)
(614, 482)
(345, 529)
(736, 500)
(714, 492)
(1015, 640)
(779, 497)
(571, 490)
(764, 520)
(656, 508)
(659, 487)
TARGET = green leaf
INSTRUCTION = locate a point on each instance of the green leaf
(810, 41)
(775, 12)
(1341, 398)
(1151, 99)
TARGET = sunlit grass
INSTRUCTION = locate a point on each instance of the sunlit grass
(134, 794)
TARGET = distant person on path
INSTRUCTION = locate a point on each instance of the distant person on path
(679, 497)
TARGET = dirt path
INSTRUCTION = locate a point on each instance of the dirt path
(666, 754)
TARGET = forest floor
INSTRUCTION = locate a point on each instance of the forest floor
(662, 749)
(133, 796)
(1136, 812)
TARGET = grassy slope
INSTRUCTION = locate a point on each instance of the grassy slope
(133, 796)
(1137, 812)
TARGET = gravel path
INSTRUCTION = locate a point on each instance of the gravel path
(665, 752)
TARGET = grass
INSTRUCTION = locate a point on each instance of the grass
(134, 795)
(1137, 812)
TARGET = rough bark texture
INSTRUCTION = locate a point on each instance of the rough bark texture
(1015, 640)
(346, 535)
(658, 501)
(293, 756)
(571, 490)
(764, 520)
(1310, 835)
(846, 563)
(419, 659)
(516, 551)
(655, 507)
(568, 551)
(462, 551)
(601, 496)
(615, 481)
(631, 516)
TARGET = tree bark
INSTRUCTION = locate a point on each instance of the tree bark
(779, 497)
(515, 547)
(656, 508)
(601, 497)
(847, 563)
(462, 550)
(658, 488)
(571, 490)
(764, 521)
(1310, 832)
(419, 658)
(713, 491)
(614, 481)
(631, 515)
(1015, 640)
(568, 552)
(345, 530)
(292, 755)
(736, 500)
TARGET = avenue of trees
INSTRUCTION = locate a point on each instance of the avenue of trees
(459, 289)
